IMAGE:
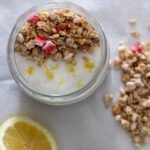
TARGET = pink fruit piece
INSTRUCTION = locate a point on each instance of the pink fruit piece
(136, 48)
(49, 47)
(58, 27)
(40, 41)
(69, 21)
(34, 19)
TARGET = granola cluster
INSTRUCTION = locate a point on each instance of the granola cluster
(132, 110)
(55, 33)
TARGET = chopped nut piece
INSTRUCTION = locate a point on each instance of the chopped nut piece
(124, 123)
(52, 14)
(20, 38)
(77, 19)
(128, 110)
(58, 56)
(68, 56)
(69, 42)
(54, 36)
(138, 140)
(146, 104)
(122, 47)
(137, 76)
(43, 15)
(117, 62)
(30, 44)
(116, 109)
(132, 21)
(135, 34)
(44, 26)
(118, 117)
(130, 86)
(138, 82)
(122, 91)
(148, 75)
(125, 66)
(134, 117)
(35, 52)
(23, 49)
(133, 126)
(108, 99)
(123, 99)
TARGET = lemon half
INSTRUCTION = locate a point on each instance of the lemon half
(22, 133)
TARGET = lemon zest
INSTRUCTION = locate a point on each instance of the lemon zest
(49, 74)
(71, 68)
(31, 70)
(79, 84)
(55, 67)
(61, 81)
(89, 64)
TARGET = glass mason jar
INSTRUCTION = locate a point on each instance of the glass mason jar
(54, 99)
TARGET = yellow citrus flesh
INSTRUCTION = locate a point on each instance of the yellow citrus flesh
(26, 135)
(22, 136)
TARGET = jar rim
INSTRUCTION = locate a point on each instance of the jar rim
(66, 98)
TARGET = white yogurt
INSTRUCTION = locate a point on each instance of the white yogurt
(62, 79)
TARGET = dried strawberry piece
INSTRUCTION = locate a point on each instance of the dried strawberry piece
(49, 47)
(34, 19)
(40, 41)
(69, 21)
(136, 48)
(58, 27)
(68, 31)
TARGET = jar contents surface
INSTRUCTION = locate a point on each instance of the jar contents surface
(57, 51)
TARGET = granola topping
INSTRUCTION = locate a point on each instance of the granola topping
(58, 33)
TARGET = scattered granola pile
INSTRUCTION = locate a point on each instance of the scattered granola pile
(132, 110)
(56, 33)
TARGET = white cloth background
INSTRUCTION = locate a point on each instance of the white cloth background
(86, 125)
